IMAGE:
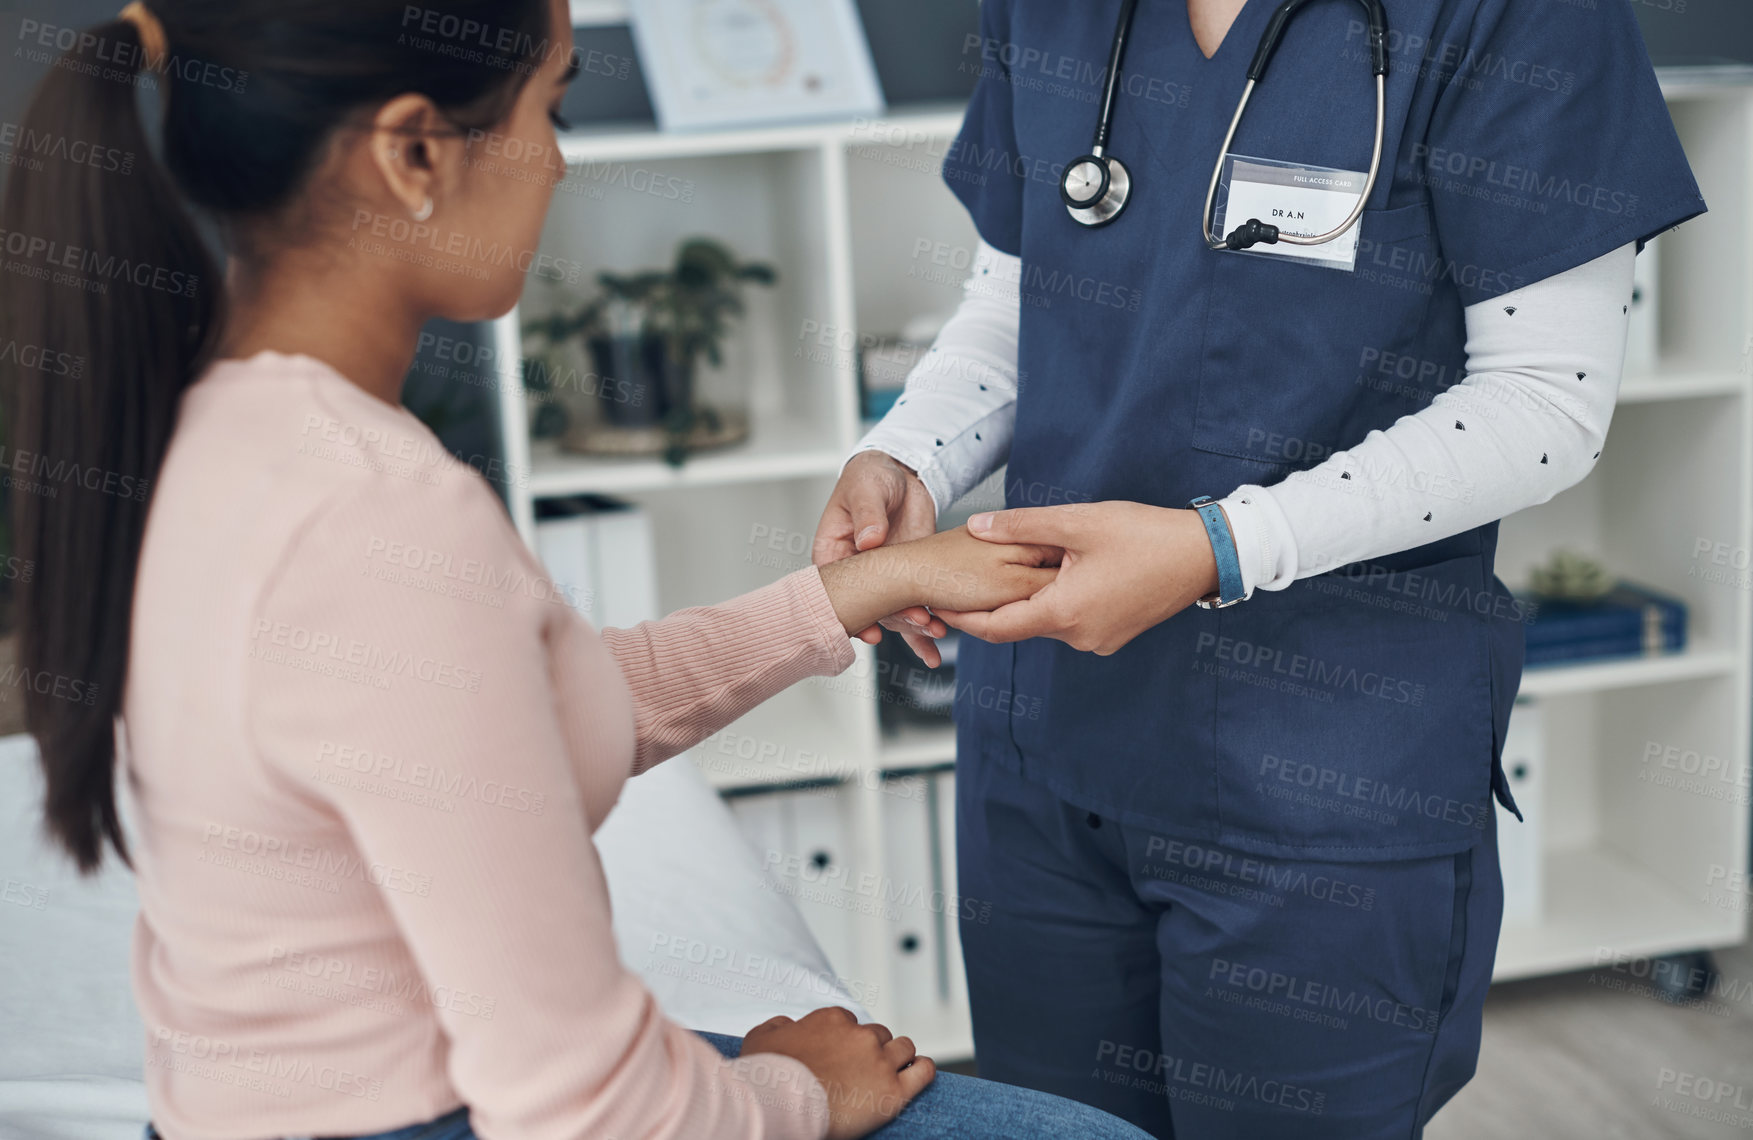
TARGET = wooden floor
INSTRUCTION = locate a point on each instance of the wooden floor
(1572, 1056)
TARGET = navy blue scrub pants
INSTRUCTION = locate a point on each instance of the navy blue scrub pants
(1205, 994)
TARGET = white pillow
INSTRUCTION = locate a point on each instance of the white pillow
(697, 916)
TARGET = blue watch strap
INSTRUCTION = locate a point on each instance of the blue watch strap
(1223, 544)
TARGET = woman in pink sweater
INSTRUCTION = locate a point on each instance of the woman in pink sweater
(245, 644)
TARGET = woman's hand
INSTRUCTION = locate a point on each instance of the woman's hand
(953, 570)
(1127, 567)
(870, 1074)
(880, 500)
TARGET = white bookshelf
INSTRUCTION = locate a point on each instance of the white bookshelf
(855, 218)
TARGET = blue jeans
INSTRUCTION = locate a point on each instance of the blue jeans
(952, 1106)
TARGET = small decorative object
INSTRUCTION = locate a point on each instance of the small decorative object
(643, 338)
(1569, 576)
(1577, 611)
(727, 63)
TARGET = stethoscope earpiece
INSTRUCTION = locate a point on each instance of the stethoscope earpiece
(1254, 233)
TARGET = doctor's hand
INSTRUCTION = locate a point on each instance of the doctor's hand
(880, 500)
(1127, 567)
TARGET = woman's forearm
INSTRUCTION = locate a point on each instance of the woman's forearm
(699, 669)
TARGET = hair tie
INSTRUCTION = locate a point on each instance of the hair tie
(153, 45)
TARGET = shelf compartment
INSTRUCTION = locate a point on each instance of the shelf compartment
(798, 737)
(1599, 901)
(1671, 483)
(780, 361)
(1644, 798)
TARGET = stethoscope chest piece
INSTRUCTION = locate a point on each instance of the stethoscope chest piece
(1095, 189)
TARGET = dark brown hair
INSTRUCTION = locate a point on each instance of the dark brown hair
(110, 303)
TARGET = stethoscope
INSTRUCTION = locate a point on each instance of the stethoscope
(1096, 187)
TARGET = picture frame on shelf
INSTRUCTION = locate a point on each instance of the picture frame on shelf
(716, 64)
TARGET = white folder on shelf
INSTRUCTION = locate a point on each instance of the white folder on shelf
(1643, 338)
(626, 566)
(830, 899)
(913, 903)
(601, 557)
(953, 984)
(800, 839)
(566, 547)
(1519, 844)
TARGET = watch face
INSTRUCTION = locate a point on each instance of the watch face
(1083, 182)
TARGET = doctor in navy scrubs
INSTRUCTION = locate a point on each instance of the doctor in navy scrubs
(1239, 863)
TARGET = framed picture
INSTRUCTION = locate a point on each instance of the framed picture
(734, 63)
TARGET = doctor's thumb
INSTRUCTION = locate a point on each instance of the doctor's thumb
(870, 517)
(1042, 526)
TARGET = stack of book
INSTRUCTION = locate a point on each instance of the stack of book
(1627, 621)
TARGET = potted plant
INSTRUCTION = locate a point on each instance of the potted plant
(643, 336)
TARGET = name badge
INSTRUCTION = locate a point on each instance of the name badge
(1300, 200)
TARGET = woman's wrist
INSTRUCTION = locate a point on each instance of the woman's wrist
(867, 587)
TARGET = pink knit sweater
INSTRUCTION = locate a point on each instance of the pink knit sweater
(367, 745)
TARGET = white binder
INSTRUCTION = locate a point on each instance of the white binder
(1519, 846)
(953, 985)
(566, 547)
(800, 840)
(1642, 341)
(601, 557)
(829, 897)
(913, 902)
(626, 566)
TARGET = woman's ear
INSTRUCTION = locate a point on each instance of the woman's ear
(412, 148)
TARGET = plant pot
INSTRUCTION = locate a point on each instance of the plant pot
(641, 381)
(641, 392)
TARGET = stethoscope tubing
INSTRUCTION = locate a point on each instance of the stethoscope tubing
(1122, 32)
(1219, 242)
(1111, 193)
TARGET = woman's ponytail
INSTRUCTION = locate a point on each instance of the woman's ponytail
(108, 304)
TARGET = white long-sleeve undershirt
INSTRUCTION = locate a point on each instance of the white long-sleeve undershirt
(1544, 365)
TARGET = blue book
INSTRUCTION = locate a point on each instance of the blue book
(1628, 621)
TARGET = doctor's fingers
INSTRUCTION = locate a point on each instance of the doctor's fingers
(1018, 621)
(885, 504)
(1069, 525)
(833, 539)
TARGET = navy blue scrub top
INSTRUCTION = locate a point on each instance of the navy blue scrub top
(1359, 714)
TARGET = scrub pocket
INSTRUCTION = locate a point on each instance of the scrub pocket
(1354, 720)
(1279, 381)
